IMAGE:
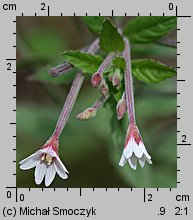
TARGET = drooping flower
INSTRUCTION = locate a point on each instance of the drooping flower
(134, 149)
(46, 162)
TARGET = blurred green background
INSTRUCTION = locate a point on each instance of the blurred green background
(90, 149)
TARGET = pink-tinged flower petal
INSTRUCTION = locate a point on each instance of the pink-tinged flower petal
(40, 172)
(29, 164)
(133, 162)
(122, 161)
(148, 160)
(34, 156)
(49, 150)
(137, 150)
(142, 161)
(128, 150)
(60, 168)
(142, 146)
(50, 174)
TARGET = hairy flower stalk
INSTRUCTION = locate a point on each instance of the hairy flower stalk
(98, 76)
(69, 103)
(134, 148)
(72, 95)
(46, 160)
(91, 112)
(129, 84)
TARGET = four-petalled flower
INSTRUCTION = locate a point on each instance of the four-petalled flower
(47, 163)
(134, 149)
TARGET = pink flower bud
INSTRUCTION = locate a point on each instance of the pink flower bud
(87, 114)
(121, 107)
(103, 88)
(110, 76)
(116, 80)
(96, 79)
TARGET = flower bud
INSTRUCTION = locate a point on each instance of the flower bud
(116, 80)
(103, 88)
(60, 69)
(121, 107)
(86, 114)
(96, 79)
(110, 76)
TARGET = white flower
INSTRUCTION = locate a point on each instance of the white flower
(134, 149)
(46, 162)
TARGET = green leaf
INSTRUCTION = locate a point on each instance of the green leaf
(110, 39)
(151, 71)
(94, 23)
(119, 62)
(146, 29)
(88, 63)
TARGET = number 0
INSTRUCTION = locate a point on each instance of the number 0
(171, 6)
(8, 194)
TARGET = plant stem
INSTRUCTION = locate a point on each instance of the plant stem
(129, 84)
(100, 102)
(94, 47)
(105, 63)
(167, 42)
(69, 103)
(72, 95)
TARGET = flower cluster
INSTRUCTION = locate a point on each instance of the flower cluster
(46, 160)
